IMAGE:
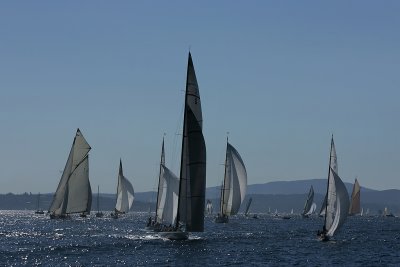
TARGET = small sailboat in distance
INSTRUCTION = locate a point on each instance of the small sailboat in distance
(192, 177)
(337, 204)
(246, 212)
(209, 207)
(125, 194)
(355, 199)
(234, 185)
(39, 210)
(309, 205)
(98, 213)
(74, 194)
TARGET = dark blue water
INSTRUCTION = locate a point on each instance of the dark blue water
(28, 239)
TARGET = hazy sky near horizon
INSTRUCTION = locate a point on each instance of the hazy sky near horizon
(280, 76)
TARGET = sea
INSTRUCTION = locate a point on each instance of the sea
(28, 239)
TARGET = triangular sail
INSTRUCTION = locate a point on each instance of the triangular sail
(235, 182)
(332, 164)
(248, 206)
(170, 193)
(309, 201)
(77, 168)
(125, 193)
(161, 184)
(355, 199)
(323, 207)
(340, 204)
(79, 190)
(193, 159)
(312, 209)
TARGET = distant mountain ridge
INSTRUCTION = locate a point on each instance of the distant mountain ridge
(281, 195)
(287, 187)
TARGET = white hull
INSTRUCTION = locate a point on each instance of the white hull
(176, 235)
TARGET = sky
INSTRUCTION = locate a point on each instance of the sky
(280, 76)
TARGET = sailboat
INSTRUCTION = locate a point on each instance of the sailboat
(39, 210)
(337, 204)
(209, 207)
(168, 215)
(161, 190)
(74, 194)
(192, 177)
(234, 185)
(246, 212)
(98, 213)
(125, 194)
(309, 205)
(355, 199)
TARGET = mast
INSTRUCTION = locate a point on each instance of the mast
(223, 183)
(327, 187)
(119, 173)
(38, 202)
(98, 195)
(162, 162)
(178, 216)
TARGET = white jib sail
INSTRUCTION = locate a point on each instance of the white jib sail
(235, 181)
(170, 196)
(341, 208)
(125, 193)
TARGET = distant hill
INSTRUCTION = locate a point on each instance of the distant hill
(286, 188)
(282, 196)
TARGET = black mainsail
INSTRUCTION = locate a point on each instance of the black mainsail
(192, 185)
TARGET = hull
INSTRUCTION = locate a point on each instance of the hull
(222, 219)
(39, 212)
(114, 215)
(99, 214)
(62, 217)
(175, 235)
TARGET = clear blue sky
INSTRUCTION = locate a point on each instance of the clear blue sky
(280, 76)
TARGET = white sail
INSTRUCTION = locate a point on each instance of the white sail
(170, 193)
(235, 182)
(309, 201)
(79, 190)
(338, 205)
(332, 164)
(161, 186)
(125, 193)
(193, 159)
(209, 207)
(312, 209)
(73, 193)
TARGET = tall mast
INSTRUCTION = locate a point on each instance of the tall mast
(119, 173)
(183, 142)
(162, 161)
(98, 195)
(327, 187)
(223, 183)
